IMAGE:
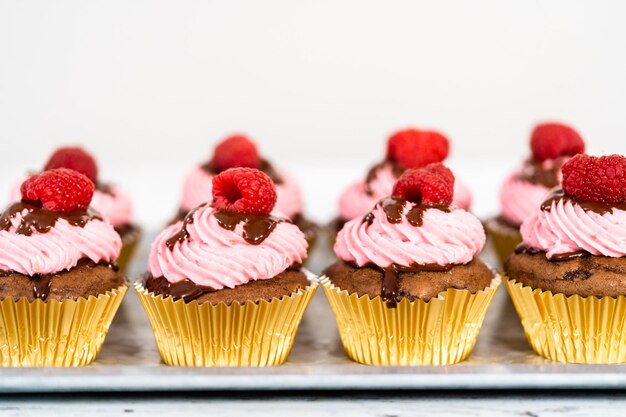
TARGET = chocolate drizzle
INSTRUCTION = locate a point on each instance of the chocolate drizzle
(42, 220)
(394, 208)
(373, 172)
(264, 166)
(182, 234)
(390, 290)
(558, 194)
(535, 173)
(522, 248)
(255, 228)
(186, 289)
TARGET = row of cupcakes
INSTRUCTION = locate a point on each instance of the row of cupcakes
(225, 285)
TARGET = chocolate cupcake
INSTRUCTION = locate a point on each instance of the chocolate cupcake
(568, 278)
(409, 148)
(525, 189)
(239, 151)
(229, 275)
(59, 284)
(408, 288)
(110, 200)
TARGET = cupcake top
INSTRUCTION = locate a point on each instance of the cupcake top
(235, 239)
(238, 151)
(410, 148)
(417, 227)
(52, 227)
(587, 216)
(110, 200)
(523, 191)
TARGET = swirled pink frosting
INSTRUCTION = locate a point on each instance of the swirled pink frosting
(444, 238)
(215, 257)
(197, 188)
(566, 227)
(59, 249)
(520, 199)
(116, 206)
(355, 201)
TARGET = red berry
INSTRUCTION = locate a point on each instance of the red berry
(430, 185)
(552, 140)
(63, 190)
(414, 148)
(235, 152)
(596, 179)
(246, 190)
(74, 158)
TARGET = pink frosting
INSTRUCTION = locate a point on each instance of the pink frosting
(444, 238)
(215, 257)
(567, 227)
(355, 202)
(197, 188)
(116, 206)
(520, 199)
(59, 249)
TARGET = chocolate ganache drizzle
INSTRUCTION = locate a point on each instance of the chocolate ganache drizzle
(256, 228)
(394, 209)
(534, 172)
(42, 220)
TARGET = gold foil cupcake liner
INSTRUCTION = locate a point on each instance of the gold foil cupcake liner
(56, 333)
(572, 329)
(503, 240)
(128, 249)
(441, 331)
(239, 334)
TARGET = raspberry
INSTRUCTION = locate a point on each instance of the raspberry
(552, 140)
(430, 185)
(74, 158)
(61, 189)
(246, 190)
(235, 152)
(596, 179)
(414, 148)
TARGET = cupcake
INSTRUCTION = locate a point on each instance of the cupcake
(525, 188)
(59, 284)
(408, 288)
(229, 277)
(238, 151)
(568, 278)
(410, 148)
(110, 200)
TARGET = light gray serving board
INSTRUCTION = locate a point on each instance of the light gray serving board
(129, 360)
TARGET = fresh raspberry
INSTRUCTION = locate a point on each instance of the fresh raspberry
(246, 190)
(552, 140)
(235, 152)
(596, 179)
(430, 185)
(73, 157)
(61, 189)
(414, 148)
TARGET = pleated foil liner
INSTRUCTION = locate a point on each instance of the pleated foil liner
(442, 331)
(56, 333)
(572, 329)
(503, 240)
(127, 252)
(248, 334)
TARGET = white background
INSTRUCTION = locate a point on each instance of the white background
(149, 86)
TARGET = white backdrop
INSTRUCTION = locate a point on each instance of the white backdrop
(148, 86)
